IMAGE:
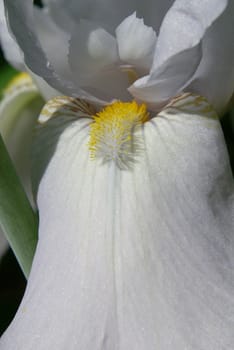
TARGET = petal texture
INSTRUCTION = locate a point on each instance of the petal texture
(45, 89)
(175, 32)
(136, 42)
(157, 89)
(20, 17)
(94, 58)
(21, 21)
(109, 12)
(54, 42)
(140, 258)
(8, 44)
(215, 75)
(178, 50)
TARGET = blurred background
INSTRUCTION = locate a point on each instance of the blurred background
(12, 286)
(12, 281)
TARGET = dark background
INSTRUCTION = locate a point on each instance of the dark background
(12, 286)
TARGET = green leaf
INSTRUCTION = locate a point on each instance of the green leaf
(17, 218)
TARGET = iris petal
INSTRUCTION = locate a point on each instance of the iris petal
(109, 13)
(94, 58)
(21, 21)
(11, 50)
(175, 32)
(166, 81)
(139, 259)
(54, 42)
(136, 42)
(215, 75)
(178, 50)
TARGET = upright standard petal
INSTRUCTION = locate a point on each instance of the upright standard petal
(109, 13)
(93, 58)
(21, 21)
(215, 75)
(168, 79)
(136, 42)
(175, 32)
(178, 49)
(54, 41)
(145, 254)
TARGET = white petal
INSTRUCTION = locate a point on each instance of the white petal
(19, 110)
(93, 57)
(54, 42)
(136, 42)
(9, 46)
(20, 18)
(156, 89)
(184, 26)
(136, 259)
(21, 21)
(106, 12)
(215, 76)
(152, 11)
(91, 49)
(59, 14)
(178, 52)
(45, 89)
(98, 11)
(109, 13)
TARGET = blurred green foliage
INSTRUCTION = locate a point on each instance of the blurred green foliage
(12, 281)
(6, 73)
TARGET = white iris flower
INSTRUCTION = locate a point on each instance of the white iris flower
(136, 198)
